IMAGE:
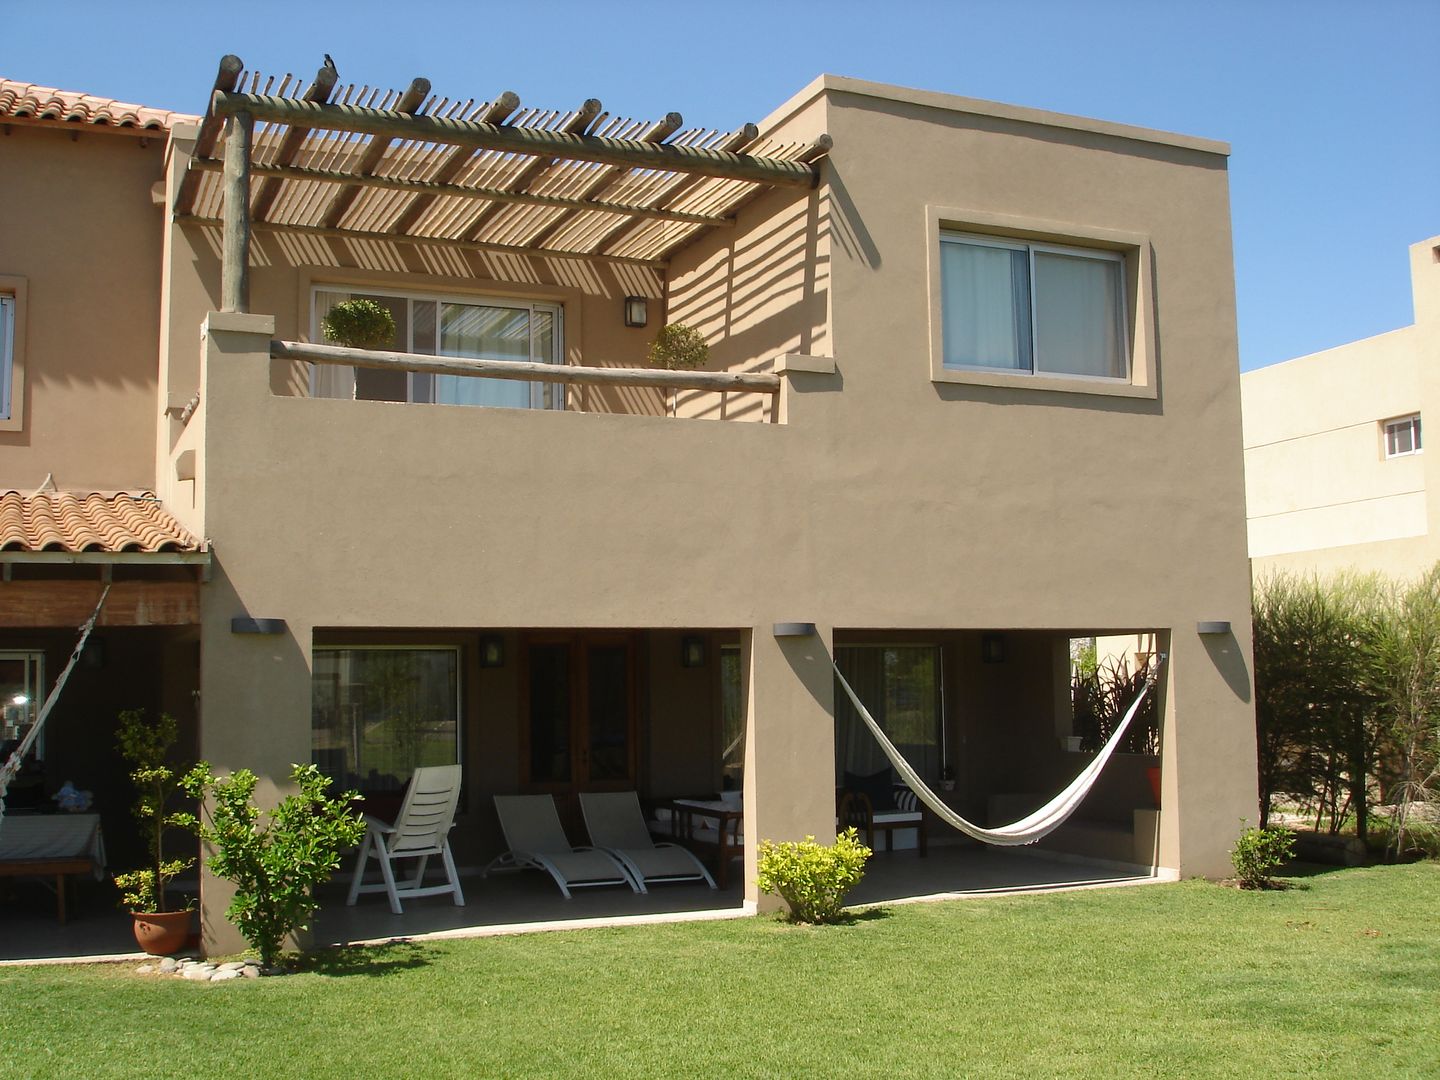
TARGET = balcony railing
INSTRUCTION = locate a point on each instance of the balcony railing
(668, 382)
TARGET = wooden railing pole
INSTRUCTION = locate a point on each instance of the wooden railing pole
(235, 244)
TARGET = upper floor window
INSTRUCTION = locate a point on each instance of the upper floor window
(1033, 308)
(435, 325)
(1402, 436)
(7, 355)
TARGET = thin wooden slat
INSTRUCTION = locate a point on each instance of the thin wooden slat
(454, 161)
(482, 135)
(577, 125)
(409, 102)
(390, 183)
(432, 241)
(35, 604)
(293, 139)
(743, 137)
(226, 79)
(724, 381)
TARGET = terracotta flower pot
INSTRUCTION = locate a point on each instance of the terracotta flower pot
(161, 933)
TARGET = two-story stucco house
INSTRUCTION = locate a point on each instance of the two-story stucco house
(972, 392)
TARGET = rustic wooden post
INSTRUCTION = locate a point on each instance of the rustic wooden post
(235, 242)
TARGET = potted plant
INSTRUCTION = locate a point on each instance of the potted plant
(359, 324)
(276, 858)
(678, 348)
(159, 929)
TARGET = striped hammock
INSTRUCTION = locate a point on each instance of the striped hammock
(1033, 827)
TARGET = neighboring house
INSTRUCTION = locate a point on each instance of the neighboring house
(973, 393)
(1336, 473)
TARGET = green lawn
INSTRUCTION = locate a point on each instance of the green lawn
(1340, 977)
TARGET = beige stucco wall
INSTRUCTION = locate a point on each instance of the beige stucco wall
(884, 500)
(1321, 496)
(78, 226)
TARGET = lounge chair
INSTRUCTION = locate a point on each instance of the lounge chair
(422, 829)
(537, 841)
(617, 826)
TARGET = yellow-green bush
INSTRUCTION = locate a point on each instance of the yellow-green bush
(813, 878)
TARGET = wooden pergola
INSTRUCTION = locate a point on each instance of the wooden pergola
(361, 164)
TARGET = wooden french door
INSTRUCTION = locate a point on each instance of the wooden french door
(579, 713)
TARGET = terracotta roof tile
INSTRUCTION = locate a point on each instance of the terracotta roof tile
(74, 522)
(26, 100)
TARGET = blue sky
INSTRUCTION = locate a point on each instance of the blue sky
(1332, 109)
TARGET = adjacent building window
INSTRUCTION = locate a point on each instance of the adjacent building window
(1402, 436)
(379, 712)
(1031, 308)
(483, 329)
(7, 356)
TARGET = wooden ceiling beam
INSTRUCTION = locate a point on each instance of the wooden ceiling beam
(484, 135)
(226, 79)
(409, 102)
(425, 187)
(294, 138)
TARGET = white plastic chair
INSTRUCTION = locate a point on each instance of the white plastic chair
(617, 825)
(422, 829)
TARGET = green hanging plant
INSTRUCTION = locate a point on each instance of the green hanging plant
(679, 348)
(359, 324)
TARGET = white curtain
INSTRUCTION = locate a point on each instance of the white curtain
(985, 306)
(488, 333)
(1077, 316)
(902, 684)
(330, 380)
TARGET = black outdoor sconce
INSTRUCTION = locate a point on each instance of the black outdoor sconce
(692, 651)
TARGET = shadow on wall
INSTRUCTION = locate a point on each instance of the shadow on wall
(1229, 660)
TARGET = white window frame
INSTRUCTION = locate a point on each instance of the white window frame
(13, 292)
(1133, 250)
(1031, 250)
(407, 647)
(542, 395)
(7, 353)
(1412, 422)
(34, 661)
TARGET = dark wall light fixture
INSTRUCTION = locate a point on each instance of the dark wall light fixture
(636, 311)
(992, 648)
(241, 624)
(794, 629)
(492, 650)
(1212, 627)
(692, 651)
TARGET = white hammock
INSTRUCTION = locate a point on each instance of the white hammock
(12, 765)
(1028, 829)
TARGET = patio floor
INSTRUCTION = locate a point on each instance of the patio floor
(528, 900)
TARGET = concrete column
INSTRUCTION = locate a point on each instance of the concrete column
(789, 743)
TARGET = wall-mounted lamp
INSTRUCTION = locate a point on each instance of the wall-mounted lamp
(242, 624)
(492, 650)
(636, 311)
(794, 629)
(1214, 627)
(692, 651)
(992, 648)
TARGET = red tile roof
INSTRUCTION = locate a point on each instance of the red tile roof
(26, 100)
(73, 522)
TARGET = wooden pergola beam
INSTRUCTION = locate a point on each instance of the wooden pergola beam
(743, 137)
(576, 125)
(658, 132)
(355, 182)
(319, 90)
(428, 241)
(235, 238)
(226, 80)
(755, 382)
(479, 135)
(409, 102)
(502, 107)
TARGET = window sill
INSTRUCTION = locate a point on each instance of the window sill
(1021, 381)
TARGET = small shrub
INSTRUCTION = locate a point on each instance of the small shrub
(813, 878)
(679, 347)
(1258, 853)
(359, 324)
(275, 865)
